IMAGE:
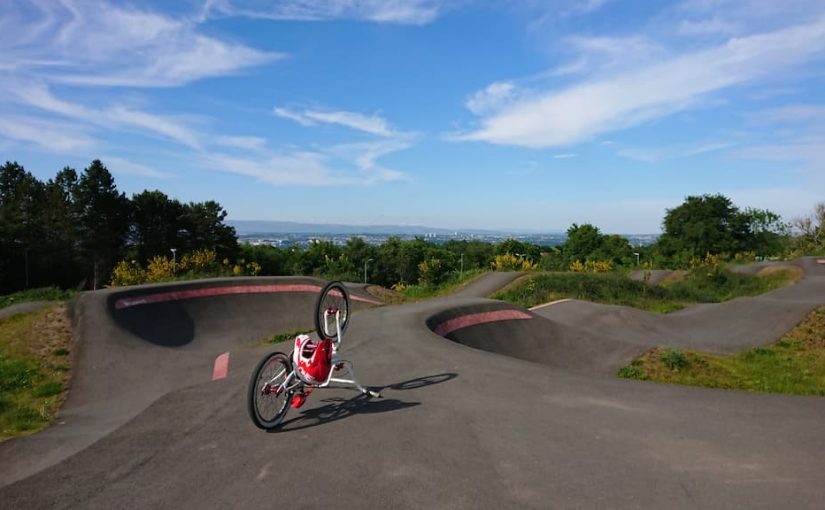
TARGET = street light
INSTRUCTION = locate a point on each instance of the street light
(174, 259)
(637, 257)
(462, 263)
(365, 269)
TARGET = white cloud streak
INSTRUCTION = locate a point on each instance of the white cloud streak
(49, 135)
(372, 124)
(409, 12)
(103, 44)
(563, 117)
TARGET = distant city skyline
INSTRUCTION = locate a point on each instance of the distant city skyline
(508, 116)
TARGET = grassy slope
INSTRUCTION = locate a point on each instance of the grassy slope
(34, 369)
(43, 294)
(795, 364)
(617, 289)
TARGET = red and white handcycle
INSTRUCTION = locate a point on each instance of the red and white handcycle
(282, 381)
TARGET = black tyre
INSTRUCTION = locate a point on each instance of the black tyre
(267, 406)
(333, 299)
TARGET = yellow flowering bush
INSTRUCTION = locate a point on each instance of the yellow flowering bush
(510, 262)
(591, 266)
(127, 272)
(159, 269)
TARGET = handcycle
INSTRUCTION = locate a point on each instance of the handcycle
(281, 381)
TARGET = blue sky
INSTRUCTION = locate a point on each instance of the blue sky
(476, 114)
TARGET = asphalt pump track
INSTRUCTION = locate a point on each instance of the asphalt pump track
(485, 405)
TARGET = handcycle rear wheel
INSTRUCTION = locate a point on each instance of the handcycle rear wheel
(267, 402)
(334, 297)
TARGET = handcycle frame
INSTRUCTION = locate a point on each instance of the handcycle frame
(298, 382)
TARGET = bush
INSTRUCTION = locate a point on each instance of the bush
(673, 359)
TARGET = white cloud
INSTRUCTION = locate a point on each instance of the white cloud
(373, 124)
(51, 136)
(412, 12)
(242, 142)
(562, 117)
(351, 165)
(491, 98)
(40, 96)
(99, 43)
(564, 156)
(795, 113)
(123, 166)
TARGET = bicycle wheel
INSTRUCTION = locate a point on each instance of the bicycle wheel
(268, 402)
(334, 299)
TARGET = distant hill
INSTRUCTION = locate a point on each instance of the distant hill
(245, 227)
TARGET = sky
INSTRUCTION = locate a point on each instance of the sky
(523, 115)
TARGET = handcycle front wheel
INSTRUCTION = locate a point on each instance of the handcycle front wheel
(334, 298)
(268, 401)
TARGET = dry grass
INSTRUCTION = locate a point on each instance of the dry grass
(35, 362)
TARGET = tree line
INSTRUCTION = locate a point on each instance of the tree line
(71, 230)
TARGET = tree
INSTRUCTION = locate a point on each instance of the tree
(102, 219)
(157, 222)
(583, 241)
(61, 264)
(204, 229)
(702, 225)
(20, 231)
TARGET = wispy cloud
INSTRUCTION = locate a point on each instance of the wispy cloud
(563, 117)
(124, 166)
(491, 98)
(47, 134)
(345, 165)
(411, 12)
(39, 95)
(100, 43)
(372, 124)
(242, 142)
(791, 114)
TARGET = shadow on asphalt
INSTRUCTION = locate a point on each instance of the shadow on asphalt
(338, 408)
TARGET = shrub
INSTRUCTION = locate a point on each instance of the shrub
(127, 272)
(673, 359)
(159, 269)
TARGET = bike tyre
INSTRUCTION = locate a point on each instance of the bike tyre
(261, 418)
(334, 294)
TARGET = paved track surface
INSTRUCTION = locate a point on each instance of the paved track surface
(458, 427)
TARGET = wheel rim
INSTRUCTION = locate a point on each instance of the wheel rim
(333, 301)
(269, 403)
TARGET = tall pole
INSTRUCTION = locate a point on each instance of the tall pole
(174, 259)
(462, 263)
(26, 257)
(365, 269)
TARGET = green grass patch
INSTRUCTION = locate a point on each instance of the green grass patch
(42, 294)
(455, 281)
(794, 365)
(616, 289)
(287, 336)
(34, 369)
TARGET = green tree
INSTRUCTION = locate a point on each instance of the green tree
(583, 241)
(21, 232)
(703, 224)
(156, 226)
(102, 219)
(204, 228)
(60, 261)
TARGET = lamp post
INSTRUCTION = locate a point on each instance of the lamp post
(462, 263)
(26, 256)
(637, 257)
(365, 269)
(174, 259)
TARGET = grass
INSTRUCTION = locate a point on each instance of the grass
(793, 365)
(411, 293)
(287, 336)
(617, 289)
(41, 294)
(34, 369)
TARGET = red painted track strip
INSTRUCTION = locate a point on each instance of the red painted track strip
(221, 368)
(447, 327)
(163, 297)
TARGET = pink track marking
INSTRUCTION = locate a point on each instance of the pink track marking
(221, 368)
(820, 261)
(162, 297)
(465, 321)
